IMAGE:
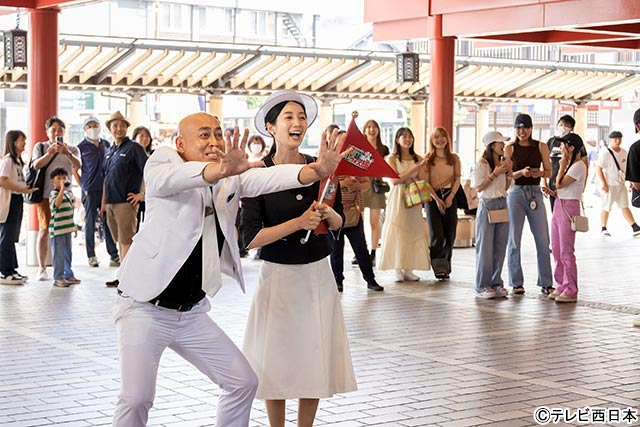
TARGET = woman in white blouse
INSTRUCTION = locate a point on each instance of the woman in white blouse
(491, 178)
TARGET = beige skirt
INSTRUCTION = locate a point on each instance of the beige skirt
(296, 340)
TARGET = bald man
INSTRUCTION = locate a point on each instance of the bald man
(187, 239)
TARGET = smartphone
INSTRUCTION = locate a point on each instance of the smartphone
(59, 139)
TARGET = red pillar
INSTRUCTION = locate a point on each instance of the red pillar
(42, 83)
(441, 89)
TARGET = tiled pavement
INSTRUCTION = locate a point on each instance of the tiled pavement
(425, 354)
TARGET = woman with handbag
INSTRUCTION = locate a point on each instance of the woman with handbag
(569, 184)
(404, 245)
(491, 178)
(530, 162)
(295, 340)
(443, 173)
(375, 197)
(12, 187)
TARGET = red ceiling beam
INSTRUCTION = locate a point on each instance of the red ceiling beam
(29, 4)
(621, 29)
(564, 37)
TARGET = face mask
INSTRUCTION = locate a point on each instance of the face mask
(93, 133)
(561, 131)
(255, 148)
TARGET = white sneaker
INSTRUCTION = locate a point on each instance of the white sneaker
(486, 294)
(399, 276)
(410, 277)
(93, 262)
(605, 232)
(42, 274)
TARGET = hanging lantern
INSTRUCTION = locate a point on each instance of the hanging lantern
(408, 68)
(15, 48)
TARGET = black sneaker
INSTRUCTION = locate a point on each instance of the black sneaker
(11, 279)
(354, 261)
(112, 284)
(374, 286)
(547, 291)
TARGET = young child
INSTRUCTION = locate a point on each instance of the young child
(61, 226)
(569, 183)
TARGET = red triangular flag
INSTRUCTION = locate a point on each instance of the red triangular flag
(363, 160)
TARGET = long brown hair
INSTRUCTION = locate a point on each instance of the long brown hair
(396, 145)
(488, 156)
(379, 144)
(431, 151)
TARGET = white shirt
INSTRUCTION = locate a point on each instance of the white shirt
(573, 191)
(609, 168)
(13, 173)
(497, 187)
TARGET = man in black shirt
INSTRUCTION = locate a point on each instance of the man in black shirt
(187, 239)
(564, 126)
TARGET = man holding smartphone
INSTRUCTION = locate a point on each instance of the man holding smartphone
(51, 154)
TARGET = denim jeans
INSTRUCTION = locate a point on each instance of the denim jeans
(563, 241)
(491, 245)
(91, 201)
(442, 235)
(61, 254)
(519, 201)
(9, 232)
(359, 245)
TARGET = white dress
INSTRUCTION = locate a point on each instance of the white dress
(404, 243)
(296, 340)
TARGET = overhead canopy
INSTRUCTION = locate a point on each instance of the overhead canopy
(138, 66)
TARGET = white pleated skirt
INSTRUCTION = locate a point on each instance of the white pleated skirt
(296, 340)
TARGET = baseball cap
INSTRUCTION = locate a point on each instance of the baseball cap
(523, 120)
(615, 134)
(572, 139)
(91, 119)
(493, 136)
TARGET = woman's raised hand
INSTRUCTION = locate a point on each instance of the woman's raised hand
(329, 155)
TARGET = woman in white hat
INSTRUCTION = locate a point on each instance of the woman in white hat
(295, 339)
(491, 179)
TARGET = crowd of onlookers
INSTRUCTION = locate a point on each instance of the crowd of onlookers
(511, 180)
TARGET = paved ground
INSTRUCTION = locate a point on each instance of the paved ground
(425, 354)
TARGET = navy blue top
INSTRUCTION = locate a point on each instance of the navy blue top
(92, 158)
(123, 167)
(269, 210)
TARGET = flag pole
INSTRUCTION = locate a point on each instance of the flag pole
(305, 239)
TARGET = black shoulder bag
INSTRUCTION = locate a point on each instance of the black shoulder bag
(35, 178)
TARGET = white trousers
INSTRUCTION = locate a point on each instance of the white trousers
(144, 331)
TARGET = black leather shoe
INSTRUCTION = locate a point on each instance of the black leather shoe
(547, 291)
(374, 286)
(354, 261)
(339, 286)
(113, 283)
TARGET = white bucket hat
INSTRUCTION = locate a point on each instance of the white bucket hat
(310, 106)
(493, 136)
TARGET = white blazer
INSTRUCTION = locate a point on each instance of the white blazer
(174, 217)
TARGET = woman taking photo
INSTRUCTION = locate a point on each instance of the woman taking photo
(404, 245)
(376, 202)
(295, 339)
(12, 187)
(572, 174)
(443, 173)
(530, 162)
(491, 179)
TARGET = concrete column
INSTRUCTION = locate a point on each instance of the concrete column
(42, 90)
(419, 125)
(581, 119)
(215, 107)
(325, 115)
(136, 112)
(441, 90)
(482, 127)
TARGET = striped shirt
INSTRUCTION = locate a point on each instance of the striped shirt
(61, 216)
